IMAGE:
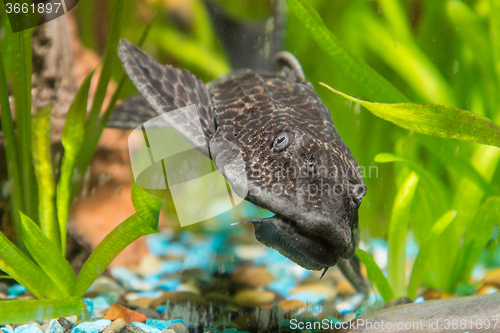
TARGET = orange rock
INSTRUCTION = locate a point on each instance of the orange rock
(291, 305)
(117, 311)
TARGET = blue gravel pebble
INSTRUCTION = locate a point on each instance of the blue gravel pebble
(91, 327)
(170, 266)
(6, 329)
(100, 303)
(146, 328)
(162, 324)
(28, 328)
(127, 278)
(54, 327)
(16, 289)
(90, 305)
(169, 284)
(283, 286)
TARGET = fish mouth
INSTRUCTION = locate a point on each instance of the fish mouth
(311, 245)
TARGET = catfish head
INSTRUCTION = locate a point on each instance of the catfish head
(296, 164)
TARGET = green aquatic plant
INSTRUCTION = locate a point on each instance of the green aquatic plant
(451, 217)
(37, 259)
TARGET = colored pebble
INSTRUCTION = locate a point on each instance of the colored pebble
(146, 328)
(162, 324)
(54, 327)
(177, 328)
(129, 279)
(283, 286)
(16, 290)
(89, 304)
(92, 327)
(115, 326)
(6, 329)
(28, 328)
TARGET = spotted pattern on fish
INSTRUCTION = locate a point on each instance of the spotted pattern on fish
(314, 185)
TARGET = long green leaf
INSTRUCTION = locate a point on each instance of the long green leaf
(25, 271)
(188, 51)
(366, 78)
(109, 59)
(47, 256)
(11, 153)
(144, 222)
(72, 139)
(44, 172)
(21, 88)
(376, 276)
(436, 120)
(14, 312)
(405, 58)
(475, 238)
(426, 249)
(398, 229)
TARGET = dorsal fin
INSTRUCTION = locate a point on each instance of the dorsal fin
(167, 88)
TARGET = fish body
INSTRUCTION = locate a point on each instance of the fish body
(295, 163)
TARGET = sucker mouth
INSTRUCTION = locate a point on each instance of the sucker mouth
(311, 251)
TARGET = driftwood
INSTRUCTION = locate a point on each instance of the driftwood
(451, 315)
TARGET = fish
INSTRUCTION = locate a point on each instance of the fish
(295, 162)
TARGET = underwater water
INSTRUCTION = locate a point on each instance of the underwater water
(421, 124)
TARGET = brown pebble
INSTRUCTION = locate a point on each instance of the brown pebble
(493, 278)
(116, 326)
(149, 313)
(345, 288)
(254, 297)
(142, 302)
(178, 328)
(131, 329)
(397, 301)
(433, 294)
(168, 330)
(253, 276)
(317, 287)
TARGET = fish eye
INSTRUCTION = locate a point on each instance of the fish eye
(282, 141)
(359, 191)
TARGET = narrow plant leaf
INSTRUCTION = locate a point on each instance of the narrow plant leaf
(109, 59)
(426, 249)
(144, 222)
(44, 172)
(366, 78)
(11, 153)
(405, 57)
(376, 276)
(47, 256)
(447, 153)
(398, 230)
(14, 312)
(190, 52)
(25, 271)
(435, 120)
(21, 89)
(475, 238)
(72, 139)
